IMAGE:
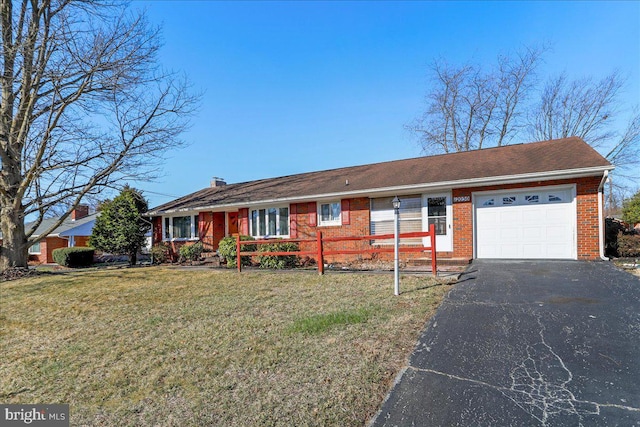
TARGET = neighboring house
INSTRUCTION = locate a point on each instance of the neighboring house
(74, 231)
(525, 201)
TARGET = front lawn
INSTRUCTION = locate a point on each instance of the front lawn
(162, 346)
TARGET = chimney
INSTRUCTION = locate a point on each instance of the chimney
(79, 212)
(217, 182)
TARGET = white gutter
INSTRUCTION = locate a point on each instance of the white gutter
(601, 220)
(473, 182)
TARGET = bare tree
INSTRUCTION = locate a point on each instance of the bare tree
(468, 108)
(582, 108)
(84, 106)
(624, 152)
(591, 109)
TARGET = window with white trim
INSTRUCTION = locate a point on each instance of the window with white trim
(410, 218)
(35, 248)
(269, 222)
(437, 214)
(329, 213)
(183, 227)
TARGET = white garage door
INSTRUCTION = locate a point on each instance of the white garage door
(539, 223)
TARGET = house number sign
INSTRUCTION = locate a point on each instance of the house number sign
(461, 199)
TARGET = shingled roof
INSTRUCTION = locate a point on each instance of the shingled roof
(523, 161)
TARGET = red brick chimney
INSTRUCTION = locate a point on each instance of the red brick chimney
(217, 182)
(79, 212)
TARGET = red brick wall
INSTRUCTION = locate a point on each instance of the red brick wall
(303, 220)
(358, 226)
(48, 245)
(40, 258)
(211, 229)
(588, 218)
(586, 205)
(51, 244)
(80, 212)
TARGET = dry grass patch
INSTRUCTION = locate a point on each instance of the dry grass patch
(159, 346)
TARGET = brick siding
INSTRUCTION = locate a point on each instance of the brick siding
(304, 223)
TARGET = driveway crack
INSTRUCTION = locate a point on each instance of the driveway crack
(540, 385)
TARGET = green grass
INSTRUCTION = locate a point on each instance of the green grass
(169, 347)
(318, 323)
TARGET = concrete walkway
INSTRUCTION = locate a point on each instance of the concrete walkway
(535, 343)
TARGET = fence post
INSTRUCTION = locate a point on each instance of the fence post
(238, 258)
(320, 260)
(432, 235)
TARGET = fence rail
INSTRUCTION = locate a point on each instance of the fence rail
(320, 252)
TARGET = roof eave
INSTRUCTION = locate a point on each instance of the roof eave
(382, 191)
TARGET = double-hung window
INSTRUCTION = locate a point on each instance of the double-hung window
(410, 218)
(329, 213)
(269, 222)
(35, 248)
(184, 227)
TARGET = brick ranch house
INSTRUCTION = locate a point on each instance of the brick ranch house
(74, 231)
(539, 200)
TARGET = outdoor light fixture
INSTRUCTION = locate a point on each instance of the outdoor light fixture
(396, 251)
(396, 203)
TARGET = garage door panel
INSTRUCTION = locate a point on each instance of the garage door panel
(510, 250)
(532, 232)
(510, 215)
(558, 250)
(538, 224)
(532, 250)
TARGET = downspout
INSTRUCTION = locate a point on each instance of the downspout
(601, 215)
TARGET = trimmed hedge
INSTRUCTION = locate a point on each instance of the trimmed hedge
(74, 257)
(279, 261)
(629, 245)
(191, 252)
(160, 254)
(227, 250)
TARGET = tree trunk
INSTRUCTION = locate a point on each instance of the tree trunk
(133, 258)
(13, 252)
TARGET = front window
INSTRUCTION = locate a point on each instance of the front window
(410, 218)
(330, 213)
(35, 248)
(181, 227)
(270, 222)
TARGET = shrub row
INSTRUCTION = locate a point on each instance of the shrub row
(74, 256)
(227, 250)
(160, 254)
(278, 262)
(628, 245)
(191, 252)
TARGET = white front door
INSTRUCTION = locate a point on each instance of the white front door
(437, 210)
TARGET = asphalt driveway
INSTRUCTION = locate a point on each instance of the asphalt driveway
(548, 343)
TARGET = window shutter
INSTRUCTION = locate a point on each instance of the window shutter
(243, 221)
(345, 212)
(293, 221)
(313, 214)
(157, 229)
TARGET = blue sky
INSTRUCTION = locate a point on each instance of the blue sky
(292, 87)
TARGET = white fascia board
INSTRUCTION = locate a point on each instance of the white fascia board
(386, 191)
